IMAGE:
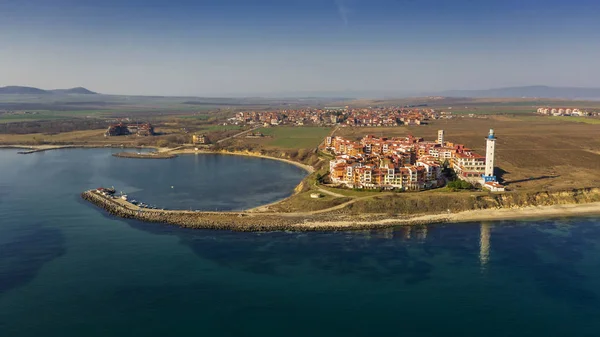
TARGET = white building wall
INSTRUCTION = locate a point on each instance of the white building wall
(489, 154)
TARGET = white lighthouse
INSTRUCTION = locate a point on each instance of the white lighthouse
(489, 157)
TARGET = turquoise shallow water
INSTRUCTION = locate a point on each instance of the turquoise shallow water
(68, 269)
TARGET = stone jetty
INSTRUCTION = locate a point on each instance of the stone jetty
(145, 155)
(236, 221)
(561, 204)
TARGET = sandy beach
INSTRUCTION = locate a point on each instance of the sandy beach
(553, 211)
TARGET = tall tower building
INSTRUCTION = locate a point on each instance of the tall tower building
(440, 137)
(489, 156)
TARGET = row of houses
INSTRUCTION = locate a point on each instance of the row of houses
(561, 111)
(345, 116)
(405, 163)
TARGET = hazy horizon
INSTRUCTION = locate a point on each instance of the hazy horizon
(267, 47)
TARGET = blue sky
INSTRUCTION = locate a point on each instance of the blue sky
(235, 47)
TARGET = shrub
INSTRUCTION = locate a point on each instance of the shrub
(459, 185)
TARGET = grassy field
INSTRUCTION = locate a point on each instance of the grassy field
(294, 137)
(535, 152)
(28, 118)
(74, 136)
(304, 202)
(220, 127)
(491, 111)
(45, 115)
(585, 120)
(350, 192)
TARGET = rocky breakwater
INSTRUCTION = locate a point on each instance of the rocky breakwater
(237, 221)
(145, 155)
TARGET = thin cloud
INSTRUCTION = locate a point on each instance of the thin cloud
(342, 10)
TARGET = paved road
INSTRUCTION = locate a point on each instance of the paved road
(238, 134)
(333, 194)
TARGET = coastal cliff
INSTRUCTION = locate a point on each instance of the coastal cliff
(432, 203)
(512, 200)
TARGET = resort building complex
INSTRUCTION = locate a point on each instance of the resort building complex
(407, 163)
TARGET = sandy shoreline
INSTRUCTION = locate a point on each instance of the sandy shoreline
(305, 167)
(522, 213)
(40, 148)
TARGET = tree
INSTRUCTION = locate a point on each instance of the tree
(459, 185)
(319, 177)
(163, 143)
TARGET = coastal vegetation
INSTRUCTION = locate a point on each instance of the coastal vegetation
(458, 184)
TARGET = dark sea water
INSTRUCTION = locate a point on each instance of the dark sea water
(68, 269)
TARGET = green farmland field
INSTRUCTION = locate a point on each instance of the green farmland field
(585, 120)
(295, 137)
(491, 111)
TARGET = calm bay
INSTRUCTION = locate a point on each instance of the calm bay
(69, 269)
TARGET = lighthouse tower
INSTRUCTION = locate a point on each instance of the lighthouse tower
(489, 157)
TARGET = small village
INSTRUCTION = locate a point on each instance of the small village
(409, 163)
(344, 116)
(553, 111)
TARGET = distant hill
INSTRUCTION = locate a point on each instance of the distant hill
(78, 90)
(17, 90)
(20, 90)
(535, 91)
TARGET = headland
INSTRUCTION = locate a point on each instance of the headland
(563, 204)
